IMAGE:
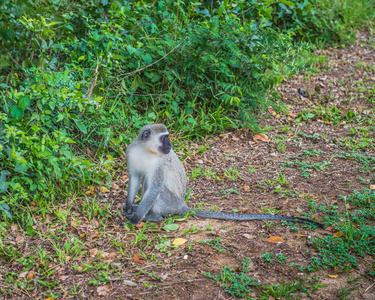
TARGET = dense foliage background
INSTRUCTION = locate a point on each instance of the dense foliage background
(77, 77)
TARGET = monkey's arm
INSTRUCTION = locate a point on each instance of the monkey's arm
(134, 183)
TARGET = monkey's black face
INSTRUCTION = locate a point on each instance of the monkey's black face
(165, 144)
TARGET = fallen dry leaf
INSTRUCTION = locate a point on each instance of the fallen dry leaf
(261, 137)
(372, 187)
(20, 239)
(338, 234)
(93, 252)
(248, 236)
(103, 290)
(179, 241)
(95, 235)
(63, 278)
(140, 224)
(104, 189)
(14, 227)
(246, 187)
(22, 275)
(90, 190)
(138, 259)
(129, 283)
(30, 275)
(275, 239)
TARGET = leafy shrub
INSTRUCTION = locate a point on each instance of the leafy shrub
(78, 76)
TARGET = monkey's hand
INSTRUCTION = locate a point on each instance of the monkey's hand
(128, 213)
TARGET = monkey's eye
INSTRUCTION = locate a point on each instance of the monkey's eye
(163, 137)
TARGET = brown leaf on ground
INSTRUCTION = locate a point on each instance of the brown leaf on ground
(90, 190)
(275, 240)
(104, 289)
(93, 252)
(30, 275)
(338, 234)
(95, 235)
(140, 224)
(138, 259)
(261, 137)
(14, 227)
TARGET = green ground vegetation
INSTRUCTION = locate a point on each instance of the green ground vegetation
(78, 78)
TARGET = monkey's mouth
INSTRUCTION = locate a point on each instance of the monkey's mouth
(165, 149)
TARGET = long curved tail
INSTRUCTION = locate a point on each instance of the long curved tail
(238, 217)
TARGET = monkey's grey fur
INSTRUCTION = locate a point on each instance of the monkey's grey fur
(151, 159)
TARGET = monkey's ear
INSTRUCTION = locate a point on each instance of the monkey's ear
(146, 135)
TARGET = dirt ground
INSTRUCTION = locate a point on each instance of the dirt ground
(236, 173)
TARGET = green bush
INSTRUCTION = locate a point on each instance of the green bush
(78, 76)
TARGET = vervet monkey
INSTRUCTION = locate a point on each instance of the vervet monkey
(151, 158)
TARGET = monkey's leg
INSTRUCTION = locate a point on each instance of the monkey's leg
(149, 198)
(152, 217)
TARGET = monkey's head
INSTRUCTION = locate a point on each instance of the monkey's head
(155, 138)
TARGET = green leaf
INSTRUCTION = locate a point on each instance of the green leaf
(43, 153)
(19, 168)
(286, 2)
(7, 213)
(221, 10)
(128, 226)
(30, 230)
(16, 111)
(70, 141)
(170, 227)
(134, 85)
(131, 50)
(4, 206)
(117, 56)
(3, 187)
(109, 46)
(80, 126)
(147, 58)
(24, 102)
(3, 177)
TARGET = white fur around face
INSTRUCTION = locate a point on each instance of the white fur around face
(142, 162)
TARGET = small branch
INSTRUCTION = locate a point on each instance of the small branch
(141, 69)
(11, 58)
(93, 84)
